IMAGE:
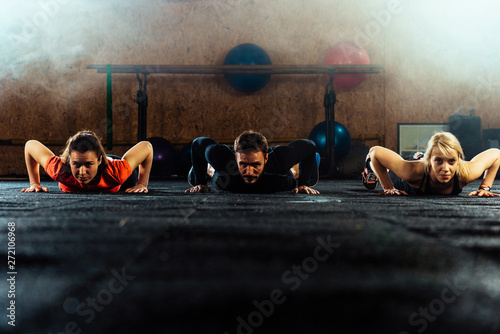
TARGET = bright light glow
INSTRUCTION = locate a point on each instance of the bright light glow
(57, 32)
(459, 35)
(455, 32)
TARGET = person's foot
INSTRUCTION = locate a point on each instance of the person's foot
(210, 170)
(369, 177)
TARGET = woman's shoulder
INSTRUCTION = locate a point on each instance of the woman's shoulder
(416, 170)
(55, 165)
(117, 166)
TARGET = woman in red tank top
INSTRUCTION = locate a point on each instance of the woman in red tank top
(84, 167)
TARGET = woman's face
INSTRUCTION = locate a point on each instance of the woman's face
(84, 166)
(443, 167)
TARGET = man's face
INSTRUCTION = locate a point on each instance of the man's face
(251, 165)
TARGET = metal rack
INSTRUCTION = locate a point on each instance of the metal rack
(142, 98)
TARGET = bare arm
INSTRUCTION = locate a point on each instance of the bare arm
(487, 162)
(383, 159)
(35, 154)
(141, 155)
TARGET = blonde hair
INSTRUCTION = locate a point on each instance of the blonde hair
(451, 147)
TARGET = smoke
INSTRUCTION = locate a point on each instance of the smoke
(456, 37)
(61, 33)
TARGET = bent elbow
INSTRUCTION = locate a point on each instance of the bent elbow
(149, 147)
(373, 150)
(30, 144)
(146, 145)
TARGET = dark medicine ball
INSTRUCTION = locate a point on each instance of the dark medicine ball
(247, 54)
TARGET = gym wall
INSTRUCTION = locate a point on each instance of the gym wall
(47, 92)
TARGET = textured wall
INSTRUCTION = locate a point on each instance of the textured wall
(48, 94)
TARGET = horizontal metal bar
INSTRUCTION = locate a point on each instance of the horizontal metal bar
(22, 142)
(240, 69)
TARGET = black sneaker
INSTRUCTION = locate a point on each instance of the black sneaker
(418, 156)
(369, 177)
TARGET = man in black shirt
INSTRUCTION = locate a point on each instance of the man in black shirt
(250, 166)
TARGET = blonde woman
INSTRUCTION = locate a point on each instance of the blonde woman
(441, 171)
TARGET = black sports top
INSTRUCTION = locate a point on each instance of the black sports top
(428, 190)
(401, 184)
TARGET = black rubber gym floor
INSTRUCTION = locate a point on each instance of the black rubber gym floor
(345, 261)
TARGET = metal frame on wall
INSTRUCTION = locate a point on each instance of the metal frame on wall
(413, 137)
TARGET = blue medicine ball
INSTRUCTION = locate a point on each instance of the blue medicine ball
(342, 139)
(247, 54)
